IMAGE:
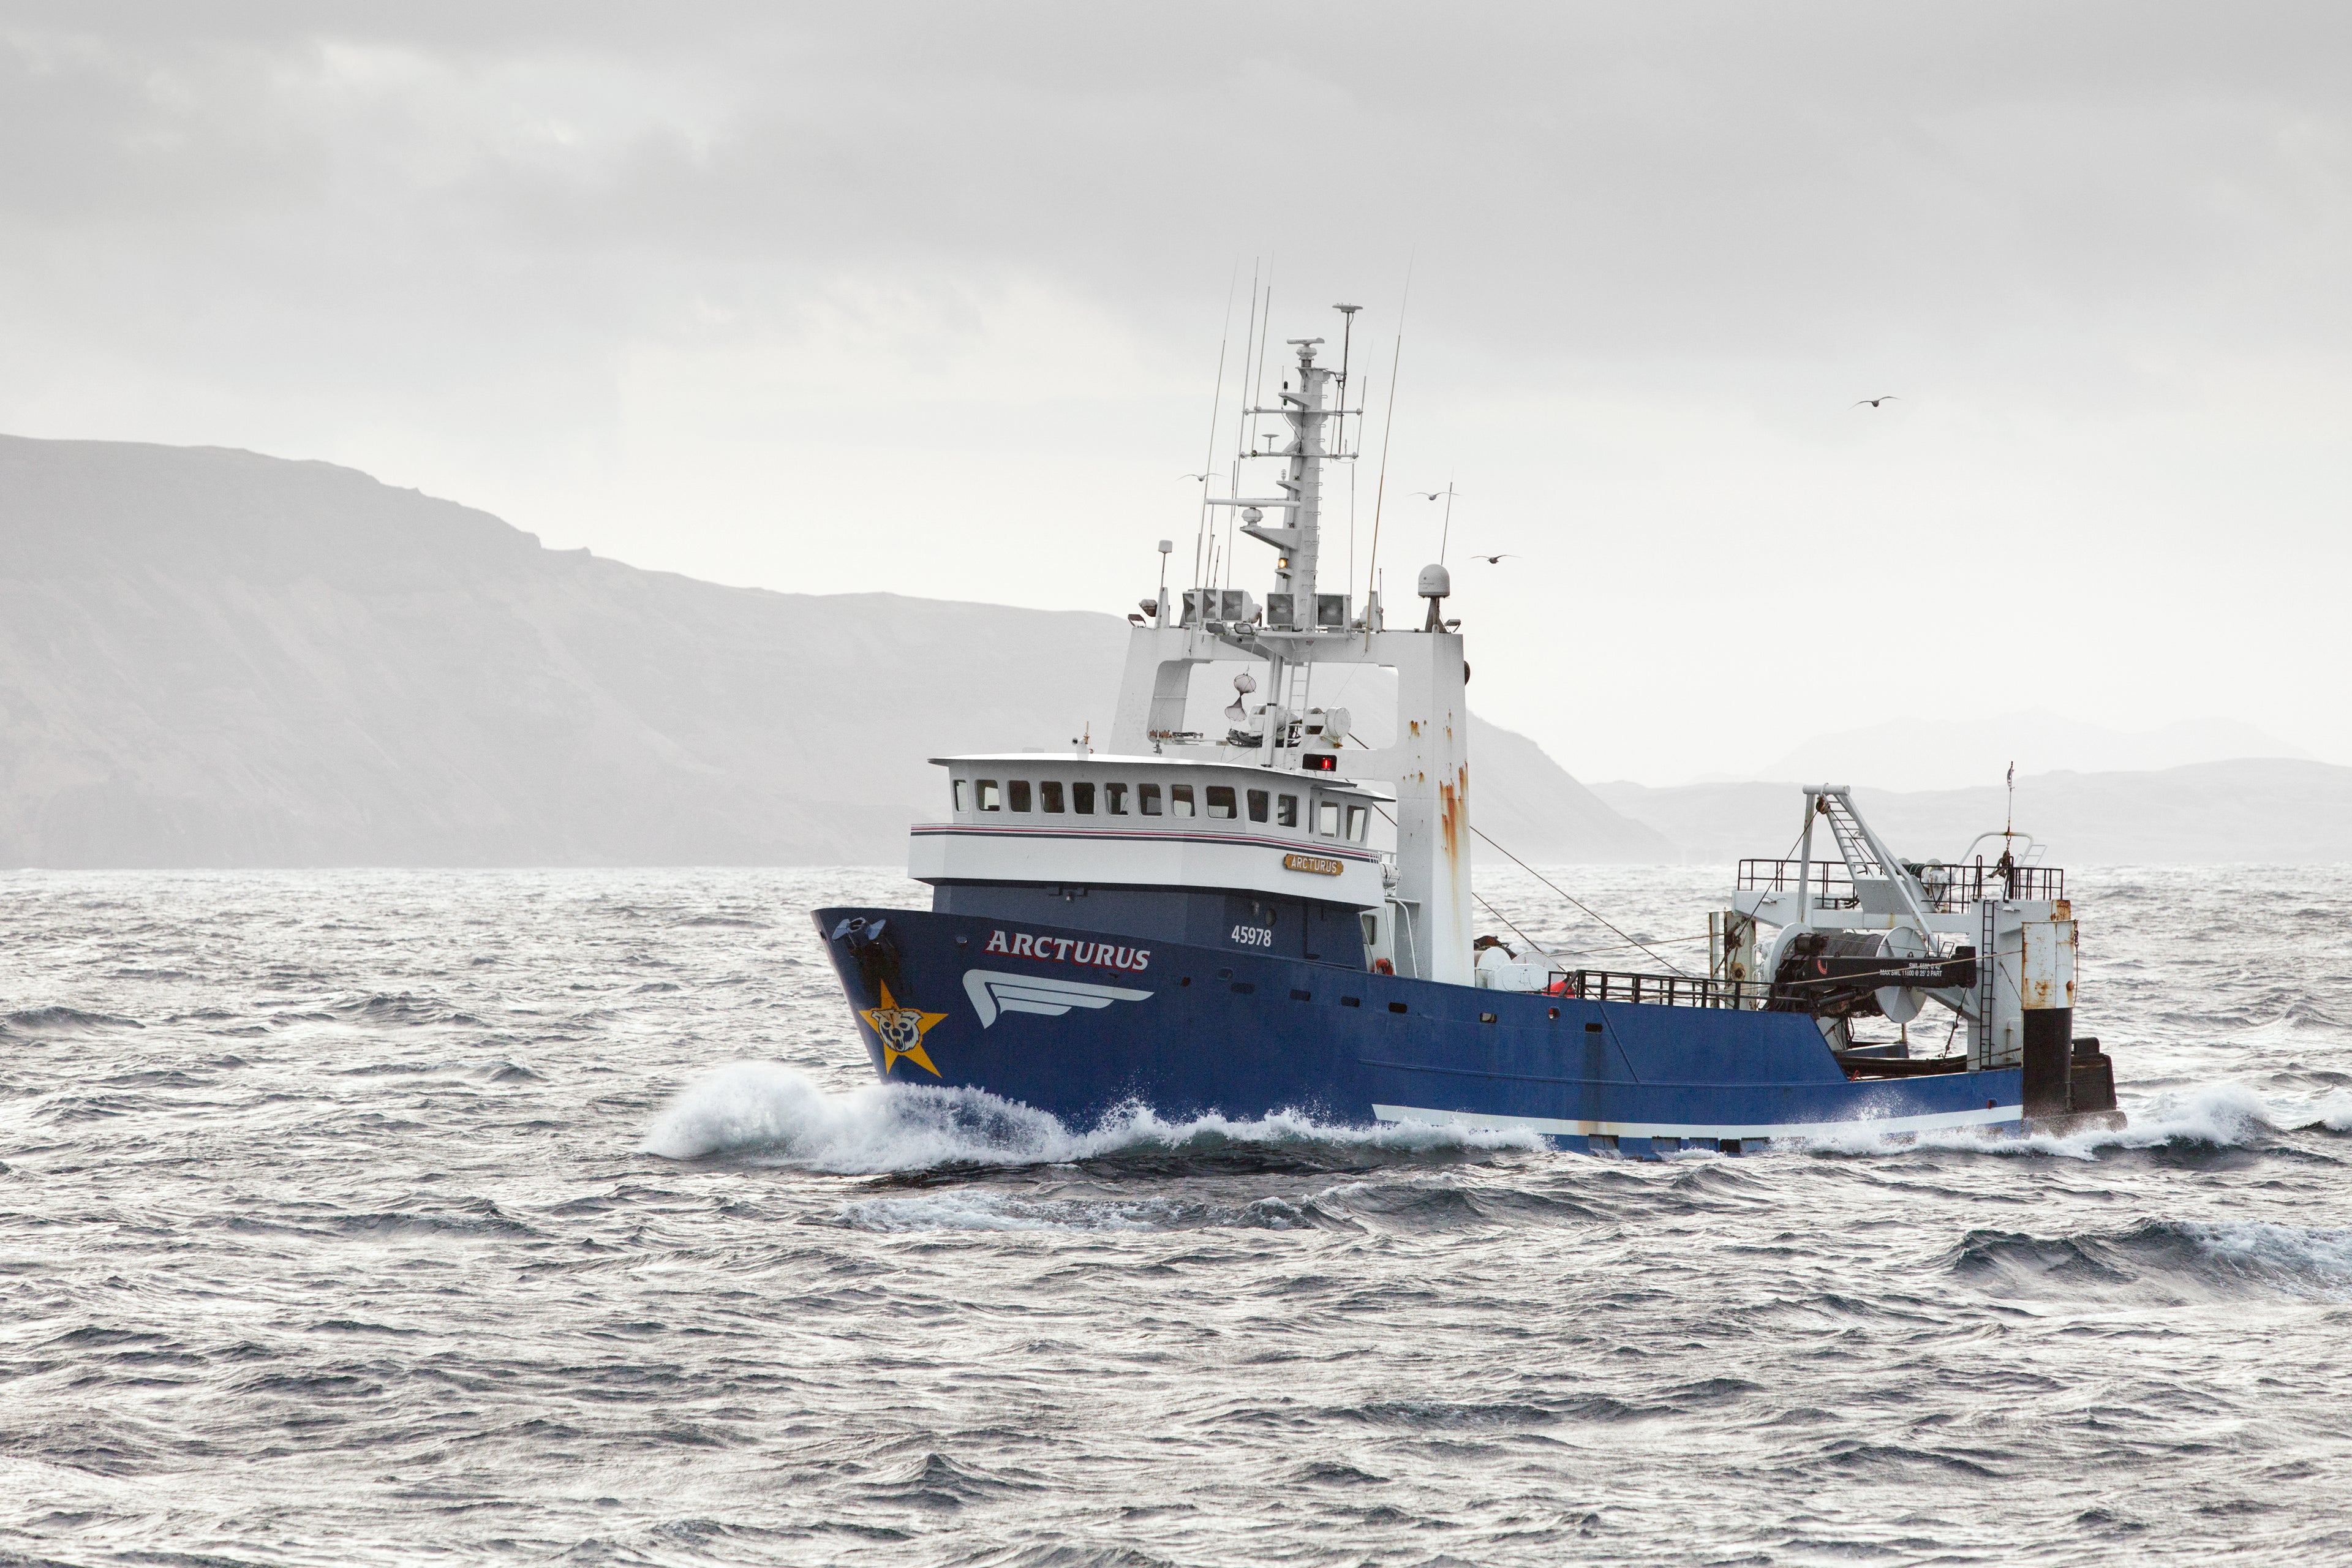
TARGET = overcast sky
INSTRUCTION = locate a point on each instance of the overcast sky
(929, 299)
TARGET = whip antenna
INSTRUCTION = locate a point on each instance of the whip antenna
(1347, 342)
(1216, 407)
(1388, 429)
(1264, 325)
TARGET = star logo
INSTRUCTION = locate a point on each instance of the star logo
(901, 1031)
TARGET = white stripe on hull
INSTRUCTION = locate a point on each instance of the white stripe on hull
(1991, 1115)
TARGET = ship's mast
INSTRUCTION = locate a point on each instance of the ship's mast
(1296, 536)
(1300, 542)
(1428, 758)
(1291, 604)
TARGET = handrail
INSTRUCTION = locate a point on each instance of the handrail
(1665, 989)
(1950, 889)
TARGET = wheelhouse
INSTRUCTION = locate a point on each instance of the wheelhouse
(1268, 859)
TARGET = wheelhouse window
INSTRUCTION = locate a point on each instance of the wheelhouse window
(989, 800)
(1018, 790)
(1180, 800)
(1286, 810)
(959, 793)
(1221, 801)
(1082, 799)
(1359, 823)
(1257, 799)
(1147, 799)
(1327, 817)
(1115, 799)
(1049, 795)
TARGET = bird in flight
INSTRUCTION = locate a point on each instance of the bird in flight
(1874, 402)
(1429, 495)
(1196, 476)
(1495, 559)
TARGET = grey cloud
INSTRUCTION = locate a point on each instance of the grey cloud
(1717, 179)
(1658, 248)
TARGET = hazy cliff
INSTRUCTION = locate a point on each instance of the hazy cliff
(209, 658)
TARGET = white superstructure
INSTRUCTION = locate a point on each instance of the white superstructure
(1297, 630)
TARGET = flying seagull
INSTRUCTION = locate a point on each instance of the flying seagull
(1874, 402)
(1429, 495)
(1495, 559)
(1196, 476)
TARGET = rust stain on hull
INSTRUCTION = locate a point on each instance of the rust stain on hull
(1452, 816)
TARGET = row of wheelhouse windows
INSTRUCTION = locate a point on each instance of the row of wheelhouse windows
(1218, 802)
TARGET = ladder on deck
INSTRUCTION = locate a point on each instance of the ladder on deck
(1852, 843)
(1298, 679)
(1988, 979)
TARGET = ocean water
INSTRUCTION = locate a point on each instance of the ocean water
(397, 1218)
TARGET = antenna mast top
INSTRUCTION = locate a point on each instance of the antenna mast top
(1347, 339)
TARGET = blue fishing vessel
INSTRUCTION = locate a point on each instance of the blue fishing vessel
(1270, 913)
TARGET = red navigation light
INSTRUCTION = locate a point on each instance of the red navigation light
(1321, 762)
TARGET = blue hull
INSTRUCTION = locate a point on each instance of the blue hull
(1096, 1023)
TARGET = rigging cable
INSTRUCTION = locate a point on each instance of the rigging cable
(1628, 940)
(1628, 937)
(1581, 952)
(1523, 936)
(1655, 942)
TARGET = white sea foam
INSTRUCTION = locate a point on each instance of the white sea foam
(748, 1106)
(2225, 1115)
(764, 1107)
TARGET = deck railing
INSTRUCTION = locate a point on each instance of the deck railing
(1951, 889)
(1665, 989)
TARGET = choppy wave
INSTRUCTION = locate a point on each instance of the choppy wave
(761, 1107)
(405, 1008)
(983, 1211)
(1412, 1205)
(936, 1327)
(2165, 1259)
(2333, 1112)
(63, 1021)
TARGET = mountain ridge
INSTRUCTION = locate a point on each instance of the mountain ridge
(1915, 755)
(2252, 810)
(210, 656)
